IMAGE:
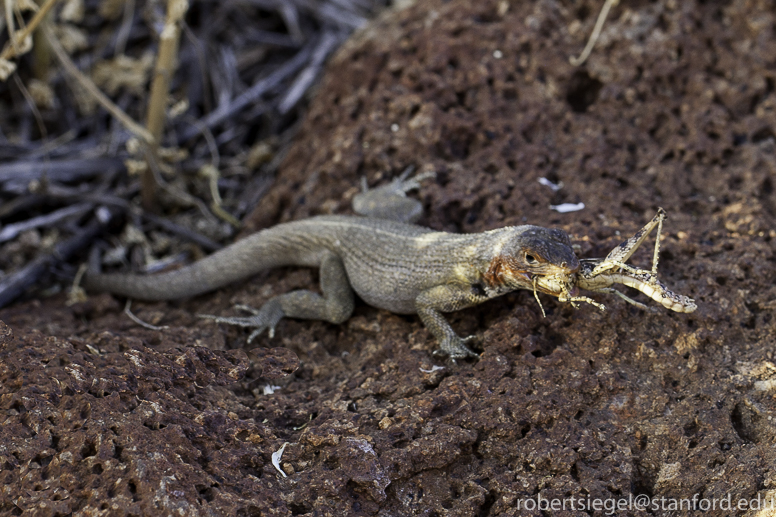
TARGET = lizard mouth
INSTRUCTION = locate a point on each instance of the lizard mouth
(553, 285)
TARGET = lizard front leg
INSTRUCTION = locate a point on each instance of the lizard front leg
(447, 298)
(390, 201)
(335, 306)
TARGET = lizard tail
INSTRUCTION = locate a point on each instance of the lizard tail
(263, 250)
(181, 283)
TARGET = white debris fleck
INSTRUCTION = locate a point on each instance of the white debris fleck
(75, 373)
(498, 54)
(134, 358)
(270, 389)
(363, 445)
(433, 369)
(395, 128)
(103, 214)
(276, 459)
(553, 186)
(766, 385)
(568, 207)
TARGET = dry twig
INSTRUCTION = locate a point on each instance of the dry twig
(16, 46)
(599, 25)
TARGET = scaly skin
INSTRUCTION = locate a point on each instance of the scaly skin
(391, 265)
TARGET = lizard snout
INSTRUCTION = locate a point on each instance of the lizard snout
(571, 267)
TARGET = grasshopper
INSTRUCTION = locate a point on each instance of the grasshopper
(598, 275)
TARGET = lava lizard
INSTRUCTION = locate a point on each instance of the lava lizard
(389, 262)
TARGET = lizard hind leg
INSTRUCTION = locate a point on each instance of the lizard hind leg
(335, 306)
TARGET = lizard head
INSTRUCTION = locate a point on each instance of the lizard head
(529, 252)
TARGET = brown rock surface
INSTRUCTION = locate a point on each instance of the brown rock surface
(675, 108)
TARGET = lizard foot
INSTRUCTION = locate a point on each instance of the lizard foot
(262, 319)
(455, 348)
(403, 183)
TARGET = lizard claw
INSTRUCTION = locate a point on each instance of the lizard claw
(403, 183)
(256, 333)
(455, 348)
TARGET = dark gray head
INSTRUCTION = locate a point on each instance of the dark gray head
(543, 250)
(532, 251)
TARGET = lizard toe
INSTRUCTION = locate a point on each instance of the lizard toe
(257, 332)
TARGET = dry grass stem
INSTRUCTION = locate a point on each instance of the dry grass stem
(599, 25)
(165, 67)
(33, 107)
(15, 45)
(160, 87)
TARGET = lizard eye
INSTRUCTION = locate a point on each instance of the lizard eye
(531, 259)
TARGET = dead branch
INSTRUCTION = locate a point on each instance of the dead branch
(15, 284)
(12, 230)
(255, 92)
(329, 41)
(65, 171)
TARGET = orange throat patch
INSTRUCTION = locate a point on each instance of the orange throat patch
(500, 273)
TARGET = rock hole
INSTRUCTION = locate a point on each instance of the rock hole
(766, 187)
(690, 429)
(205, 492)
(89, 449)
(762, 134)
(133, 489)
(735, 182)
(574, 471)
(583, 12)
(583, 91)
(487, 504)
(745, 422)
